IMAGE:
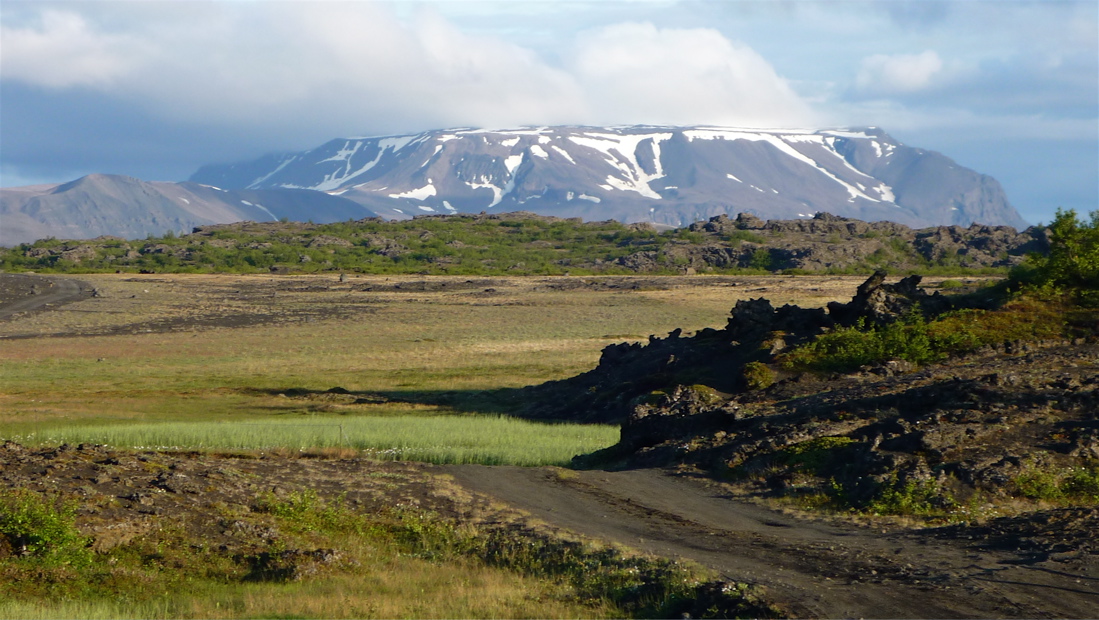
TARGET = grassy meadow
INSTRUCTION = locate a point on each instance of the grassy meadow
(388, 368)
(228, 362)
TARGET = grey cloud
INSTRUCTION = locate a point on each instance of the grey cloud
(917, 13)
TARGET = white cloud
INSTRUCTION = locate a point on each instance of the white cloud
(646, 74)
(317, 70)
(62, 51)
(899, 73)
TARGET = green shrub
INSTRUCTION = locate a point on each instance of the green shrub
(909, 498)
(42, 528)
(922, 342)
(762, 259)
(1082, 483)
(1073, 259)
(758, 376)
(1054, 484)
(813, 455)
(848, 348)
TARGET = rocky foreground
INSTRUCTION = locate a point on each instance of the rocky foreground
(1010, 427)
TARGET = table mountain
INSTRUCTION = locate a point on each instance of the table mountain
(664, 175)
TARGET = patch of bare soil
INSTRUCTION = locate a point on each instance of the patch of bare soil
(124, 494)
(23, 294)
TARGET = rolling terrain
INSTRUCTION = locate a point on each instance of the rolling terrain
(524, 243)
(1024, 564)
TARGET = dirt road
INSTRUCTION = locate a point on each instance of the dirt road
(21, 293)
(812, 568)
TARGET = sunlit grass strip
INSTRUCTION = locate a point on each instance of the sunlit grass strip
(486, 440)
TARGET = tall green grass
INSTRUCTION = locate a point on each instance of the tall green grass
(486, 440)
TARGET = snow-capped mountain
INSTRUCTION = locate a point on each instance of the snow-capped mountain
(665, 175)
(104, 204)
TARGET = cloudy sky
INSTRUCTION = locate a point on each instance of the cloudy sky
(155, 89)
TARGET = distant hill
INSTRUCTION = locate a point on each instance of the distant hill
(663, 175)
(524, 243)
(102, 204)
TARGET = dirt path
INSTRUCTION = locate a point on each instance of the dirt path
(21, 293)
(812, 568)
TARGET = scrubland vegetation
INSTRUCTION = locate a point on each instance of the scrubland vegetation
(525, 244)
(378, 564)
(1049, 296)
(425, 377)
(456, 246)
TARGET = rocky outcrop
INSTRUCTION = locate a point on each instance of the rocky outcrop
(829, 242)
(1001, 422)
(755, 332)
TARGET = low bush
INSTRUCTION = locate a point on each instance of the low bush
(1057, 484)
(909, 498)
(41, 528)
(1072, 262)
(851, 347)
(813, 455)
(758, 376)
(1026, 318)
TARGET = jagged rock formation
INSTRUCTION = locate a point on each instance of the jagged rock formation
(936, 435)
(828, 241)
(628, 374)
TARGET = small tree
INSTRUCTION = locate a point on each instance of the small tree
(1073, 259)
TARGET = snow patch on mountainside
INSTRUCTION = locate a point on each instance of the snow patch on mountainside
(420, 193)
(285, 162)
(649, 173)
(620, 151)
(780, 142)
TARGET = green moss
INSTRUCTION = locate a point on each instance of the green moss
(814, 455)
(758, 376)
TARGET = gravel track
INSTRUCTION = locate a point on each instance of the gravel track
(23, 293)
(812, 568)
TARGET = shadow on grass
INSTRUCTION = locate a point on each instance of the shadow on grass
(512, 402)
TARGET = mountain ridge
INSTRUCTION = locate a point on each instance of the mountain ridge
(103, 204)
(659, 174)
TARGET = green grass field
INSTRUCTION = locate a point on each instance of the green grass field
(481, 439)
(429, 373)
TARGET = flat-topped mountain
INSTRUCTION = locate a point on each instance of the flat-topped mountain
(103, 204)
(663, 175)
